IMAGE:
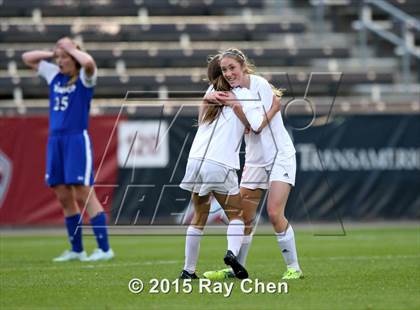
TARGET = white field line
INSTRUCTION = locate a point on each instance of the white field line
(72, 265)
(87, 265)
(362, 257)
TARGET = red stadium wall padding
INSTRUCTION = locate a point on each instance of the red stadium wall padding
(25, 199)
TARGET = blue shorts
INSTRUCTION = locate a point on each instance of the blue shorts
(69, 159)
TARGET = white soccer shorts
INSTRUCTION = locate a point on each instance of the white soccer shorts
(204, 177)
(283, 170)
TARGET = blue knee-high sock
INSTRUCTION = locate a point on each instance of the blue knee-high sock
(100, 230)
(74, 232)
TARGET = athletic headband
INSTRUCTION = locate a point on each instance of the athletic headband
(233, 53)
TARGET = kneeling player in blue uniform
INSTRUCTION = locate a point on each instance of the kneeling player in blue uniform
(69, 172)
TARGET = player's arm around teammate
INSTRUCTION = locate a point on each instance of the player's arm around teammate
(211, 169)
(69, 172)
(269, 163)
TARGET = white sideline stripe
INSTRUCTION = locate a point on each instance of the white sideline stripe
(88, 168)
(380, 257)
(365, 257)
(87, 265)
(146, 263)
(345, 258)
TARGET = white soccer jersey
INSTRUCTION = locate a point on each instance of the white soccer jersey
(221, 140)
(261, 149)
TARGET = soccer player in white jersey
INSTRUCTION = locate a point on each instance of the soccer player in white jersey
(270, 163)
(212, 164)
(69, 172)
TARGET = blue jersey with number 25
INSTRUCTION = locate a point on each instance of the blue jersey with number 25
(69, 104)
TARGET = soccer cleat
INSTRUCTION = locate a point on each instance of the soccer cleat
(219, 275)
(98, 255)
(292, 274)
(71, 255)
(239, 270)
(186, 275)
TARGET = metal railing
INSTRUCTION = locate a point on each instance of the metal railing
(404, 42)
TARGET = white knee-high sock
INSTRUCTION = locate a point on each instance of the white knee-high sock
(235, 234)
(286, 241)
(243, 252)
(192, 248)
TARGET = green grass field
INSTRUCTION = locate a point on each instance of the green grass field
(371, 268)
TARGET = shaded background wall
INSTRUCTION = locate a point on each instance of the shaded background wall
(357, 167)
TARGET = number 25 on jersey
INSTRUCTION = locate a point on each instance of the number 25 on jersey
(61, 104)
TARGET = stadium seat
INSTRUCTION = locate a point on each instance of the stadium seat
(222, 29)
(115, 86)
(125, 7)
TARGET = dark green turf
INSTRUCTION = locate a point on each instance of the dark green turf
(377, 268)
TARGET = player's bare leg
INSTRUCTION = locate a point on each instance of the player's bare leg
(249, 204)
(250, 201)
(67, 199)
(86, 197)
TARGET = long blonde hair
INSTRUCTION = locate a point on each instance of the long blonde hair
(278, 92)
